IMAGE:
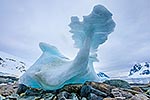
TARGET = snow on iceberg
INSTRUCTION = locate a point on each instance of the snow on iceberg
(53, 70)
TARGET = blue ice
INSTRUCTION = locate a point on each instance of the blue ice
(53, 70)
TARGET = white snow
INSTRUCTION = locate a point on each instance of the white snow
(12, 65)
(139, 74)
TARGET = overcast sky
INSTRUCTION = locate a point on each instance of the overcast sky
(25, 23)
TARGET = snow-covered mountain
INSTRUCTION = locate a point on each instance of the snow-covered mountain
(139, 73)
(11, 65)
(140, 70)
(103, 76)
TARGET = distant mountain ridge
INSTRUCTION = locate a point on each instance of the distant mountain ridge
(102, 76)
(11, 65)
(140, 70)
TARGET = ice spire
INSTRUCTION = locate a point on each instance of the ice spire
(53, 70)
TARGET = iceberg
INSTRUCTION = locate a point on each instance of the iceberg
(53, 70)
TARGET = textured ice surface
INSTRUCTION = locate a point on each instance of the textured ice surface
(99, 22)
(53, 70)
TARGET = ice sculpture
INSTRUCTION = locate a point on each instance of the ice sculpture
(53, 70)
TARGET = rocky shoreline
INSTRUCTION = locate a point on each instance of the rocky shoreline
(108, 90)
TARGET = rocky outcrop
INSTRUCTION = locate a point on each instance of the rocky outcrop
(86, 91)
(118, 83)
(7, 79)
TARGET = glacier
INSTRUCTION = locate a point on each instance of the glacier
(53, 70)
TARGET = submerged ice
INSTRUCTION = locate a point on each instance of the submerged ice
(53, 70)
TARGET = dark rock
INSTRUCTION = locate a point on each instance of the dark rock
(12, 97)
(133, 92)
(102, 87)
(145, 88)
(33, 92)
(67, 96)
(126, 94)
(1, 59)
(87, 89)
(148, 92)
(52, 91)
(74, 96)
(54, 98)
(93, 96)
(98, 92)
(118, 83)
(109, 99)
(28, 98)
(142, 96)
(75, 88)
(139, 97)
(21, 88)
(119, 94)
(2, 98)
(37, 98)
(137, 89)
(148, 85)
(8, 79)
(48, 96)
(134, 98)
(63, 95)
(120, 98)
(6, 90)
(116, 92)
